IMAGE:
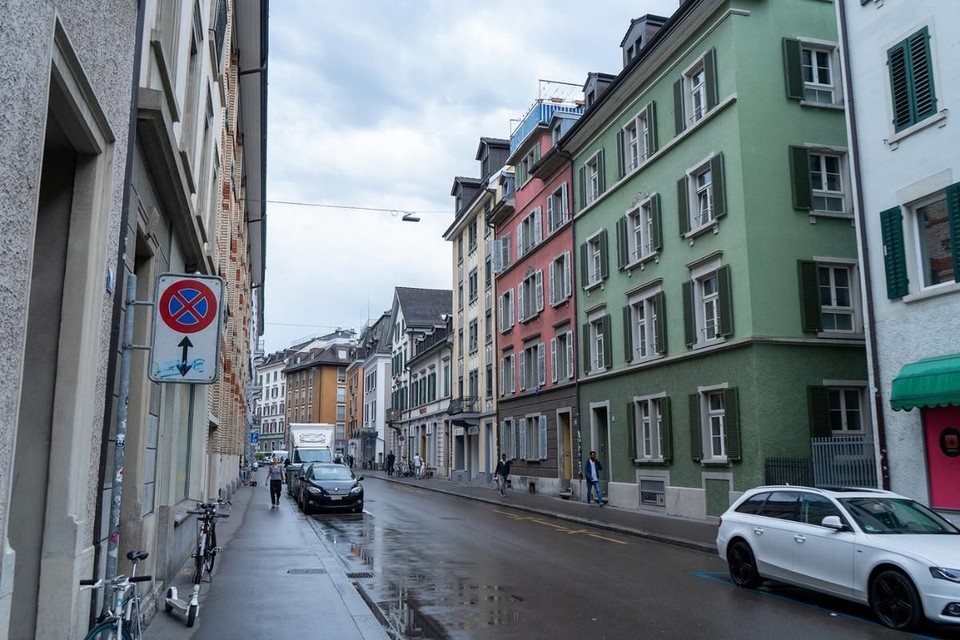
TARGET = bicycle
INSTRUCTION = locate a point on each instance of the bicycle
(206, 553)
(121, 615)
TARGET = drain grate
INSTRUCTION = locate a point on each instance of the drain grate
(305, 572)
(360, 574)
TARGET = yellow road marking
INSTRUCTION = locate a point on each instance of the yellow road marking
(558, 527)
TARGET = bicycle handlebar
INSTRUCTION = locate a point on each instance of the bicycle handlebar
(209, 514)
(119, 580)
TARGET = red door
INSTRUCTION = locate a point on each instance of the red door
(941, 429)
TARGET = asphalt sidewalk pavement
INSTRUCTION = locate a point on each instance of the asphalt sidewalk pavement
(258, 542)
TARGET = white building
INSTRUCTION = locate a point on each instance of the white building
(901, 67)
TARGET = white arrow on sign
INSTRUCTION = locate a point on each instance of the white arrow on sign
(186, 329)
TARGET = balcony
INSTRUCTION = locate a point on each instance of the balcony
(466, 404)
(393, 415)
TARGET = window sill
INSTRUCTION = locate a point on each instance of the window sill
(823, 105)
(594, 285)
(932, 292)
(715, 462)
(939, 119)
(840, 335)
(650, 461)
(841, 215)
(708, 343)
(560, 303)
(641, 264)
(713, 225)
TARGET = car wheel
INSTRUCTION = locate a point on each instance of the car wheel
(895, 601)
(742, 565)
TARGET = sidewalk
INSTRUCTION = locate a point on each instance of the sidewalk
(264, 548)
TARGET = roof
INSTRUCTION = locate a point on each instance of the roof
(423, 307)
(933, 382)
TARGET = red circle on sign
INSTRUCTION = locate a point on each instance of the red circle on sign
(188, 306)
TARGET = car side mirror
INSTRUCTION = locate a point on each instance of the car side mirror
(360, 478)
(835, 523)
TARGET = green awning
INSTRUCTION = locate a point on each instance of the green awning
(934, 382)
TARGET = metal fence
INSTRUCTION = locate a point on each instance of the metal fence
(795, 471)
(840, 461)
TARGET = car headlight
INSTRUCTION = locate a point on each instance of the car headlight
(943, 573)
(357, 489)
(314, 490)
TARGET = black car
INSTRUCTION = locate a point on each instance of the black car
(328, 486)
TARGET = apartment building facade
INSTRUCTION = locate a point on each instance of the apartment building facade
(271, 404)
(316, 382)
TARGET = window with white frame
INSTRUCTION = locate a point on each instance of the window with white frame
(530, 232)
(826, 182)
(649, 420)
(505, 310)
(597, 343)
(508, 376)
(695, 94)
(561, 356)
(533, 366)
(645, 337)
(594, 256)
(936, 245)
(715, 424)
(530, 295)
(818, 73)
(846, 410)
(508, 438)
(638, 232)
(702, 183)
(533, 438)
(837, 309)
(557, 209)
(560, 284)
(708, 311)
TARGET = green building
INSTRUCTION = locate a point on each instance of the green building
(721, 333)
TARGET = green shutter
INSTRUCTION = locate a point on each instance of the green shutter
(679, 121)
(894, 258)
(689, 316)
(710, 78)
(651, 128)
(696, 434)
(632, 430)
(682, 214)
(627, 334)
(601, 173)
(717, 184)
(666, 435)
(657, 239)
(585, 347)
(800, 172)
(725, 298)
(810, 317)
(911, 80)
(621, 168)
(793, 66)
(660, 308)
(731, 409)
(953, 216)
(582, 184)
(604, 255)
(818, 404)
(623, 250)
(606, 324)
(584, 266)
(921, 71)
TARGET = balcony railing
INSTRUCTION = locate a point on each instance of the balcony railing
(466, 404)
(393, 415)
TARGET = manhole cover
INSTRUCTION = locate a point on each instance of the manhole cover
(360, 574)
(304, 572)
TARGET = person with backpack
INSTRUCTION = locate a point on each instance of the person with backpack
(502, 472)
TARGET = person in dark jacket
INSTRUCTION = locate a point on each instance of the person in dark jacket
(502, 471)
(591, 471)
(390, 460)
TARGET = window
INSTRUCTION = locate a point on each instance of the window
(648, 421)
(508, 438)
(530, 232)
(560, 288)
(501, 253)
(644, 326)
(593, 259)
(829, 297)
(695, 93)
(561, 356)
(653, 491)
(837, 408)
(638, 232)
(341, 412)
(911, 80)
(341, 394)
(474, 336)
(530, 295)
(700, 194)
(707, 307)
(533, 438)
(812, 69)
(636, 141)
(597, 344)
(505, 310)
(525, 167)
(507, 375)
(472, 237)
(845, 411)
(342, 371)
(557, 209)
(533, 369)
(819, 178)
(591, 178)
(714, 425)
(472, 285)
(931, 233)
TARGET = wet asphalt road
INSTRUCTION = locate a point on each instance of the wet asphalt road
(440, 567)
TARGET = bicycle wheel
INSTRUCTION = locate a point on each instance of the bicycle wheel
(210, 553)
(198, 559)
(107, 630)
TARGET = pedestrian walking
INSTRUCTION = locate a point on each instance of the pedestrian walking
(417, 465)
(275, 476)
(502, 472)
(390, 460)
(591, 471)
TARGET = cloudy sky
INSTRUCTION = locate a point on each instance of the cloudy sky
(379, 104)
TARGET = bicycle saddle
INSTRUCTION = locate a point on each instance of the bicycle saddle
(137, 556)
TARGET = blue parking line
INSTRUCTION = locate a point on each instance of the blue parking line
(722, 577)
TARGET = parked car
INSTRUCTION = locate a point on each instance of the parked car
(329, 486)
(869, 546)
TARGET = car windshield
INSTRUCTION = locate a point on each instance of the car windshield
(332, 472)
(881, 515)
(312, 455)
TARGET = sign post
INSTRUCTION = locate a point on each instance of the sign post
(186, 329)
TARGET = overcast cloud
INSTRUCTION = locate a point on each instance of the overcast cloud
(380, 104)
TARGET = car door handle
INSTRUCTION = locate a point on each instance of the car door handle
(800, 539)
(758, 531)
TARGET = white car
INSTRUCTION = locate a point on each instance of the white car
(869, 546)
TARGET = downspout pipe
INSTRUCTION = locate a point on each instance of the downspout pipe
(866, 279)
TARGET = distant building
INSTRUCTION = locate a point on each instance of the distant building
(316, 383)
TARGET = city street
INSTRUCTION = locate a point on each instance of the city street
(434, 565)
